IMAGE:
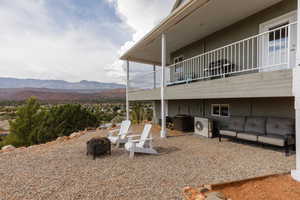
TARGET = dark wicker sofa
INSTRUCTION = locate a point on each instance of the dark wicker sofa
(265, 130)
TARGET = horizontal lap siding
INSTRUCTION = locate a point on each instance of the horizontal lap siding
(263, 84)
(241, 30)
(263, 107)
(266, 84)
(238, 31)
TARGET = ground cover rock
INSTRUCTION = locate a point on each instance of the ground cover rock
(8, 148)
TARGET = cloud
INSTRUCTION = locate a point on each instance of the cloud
(141, 16)
(35, 43)
(73, 39)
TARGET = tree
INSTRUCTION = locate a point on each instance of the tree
(63, 120)
(27, 119)
(35, 125)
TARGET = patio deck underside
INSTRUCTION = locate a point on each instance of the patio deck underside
(262, 84)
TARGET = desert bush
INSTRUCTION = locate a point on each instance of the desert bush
(117, 119)
(27, 119)
(140, 112)
(63, 120)
(35, 125)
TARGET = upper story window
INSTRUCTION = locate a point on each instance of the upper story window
(178, 67)
(220, 110)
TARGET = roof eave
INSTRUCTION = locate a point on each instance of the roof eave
(171, 20)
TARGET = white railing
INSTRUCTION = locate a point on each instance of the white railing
(267, 51)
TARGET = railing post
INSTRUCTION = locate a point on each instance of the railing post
(154, 76)
(289, 46)
(296, 91)
(163, 133)
(127, 92)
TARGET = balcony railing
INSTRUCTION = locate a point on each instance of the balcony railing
(268, 51)
(147, 81)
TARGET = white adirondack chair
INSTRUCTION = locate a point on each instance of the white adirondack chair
(141, 145)
(121, 137)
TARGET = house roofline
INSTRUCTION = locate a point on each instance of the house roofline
(172, 19)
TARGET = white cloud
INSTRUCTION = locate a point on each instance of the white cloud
(141, 16)
(37, 44)
(34, 45)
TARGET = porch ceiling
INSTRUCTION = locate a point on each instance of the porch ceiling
(195, 20)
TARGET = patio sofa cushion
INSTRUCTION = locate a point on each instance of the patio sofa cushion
(236, 124)
(277, 140)
(248, 136)
(280, 126)
(255, 125)
(228, 133)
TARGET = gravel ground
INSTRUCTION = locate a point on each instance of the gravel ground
(63, 171)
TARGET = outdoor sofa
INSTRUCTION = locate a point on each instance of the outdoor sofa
(265, 130)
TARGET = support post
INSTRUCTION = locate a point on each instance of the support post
(296, 91)
(163, 131)
(154, 76)
(127, 88)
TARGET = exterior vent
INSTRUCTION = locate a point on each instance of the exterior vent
(204, 127)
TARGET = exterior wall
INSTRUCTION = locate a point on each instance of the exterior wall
(264, 107)
(236, 32)
(263, 84)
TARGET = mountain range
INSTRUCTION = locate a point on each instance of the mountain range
(57, 84)
(12, 89)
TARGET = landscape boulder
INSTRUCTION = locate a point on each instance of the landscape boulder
(204, 192)
(75, 135)
(8, 148)
(215, 196)
(62, 139)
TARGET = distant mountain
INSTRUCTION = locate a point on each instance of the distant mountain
(57, 84)
(54, 95)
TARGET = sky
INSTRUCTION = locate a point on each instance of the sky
(73, 40)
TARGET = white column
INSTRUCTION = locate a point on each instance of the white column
(163, 132)
(127, 87)
(154, 76)
(296, 91)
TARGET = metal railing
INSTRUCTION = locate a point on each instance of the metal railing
(147, 81)
(267, 51)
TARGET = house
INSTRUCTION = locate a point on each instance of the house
(219, 59)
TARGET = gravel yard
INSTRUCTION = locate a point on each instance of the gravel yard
(63, 171)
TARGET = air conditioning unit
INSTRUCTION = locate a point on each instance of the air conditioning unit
(204, 127)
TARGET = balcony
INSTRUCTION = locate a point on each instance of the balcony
(270, 54)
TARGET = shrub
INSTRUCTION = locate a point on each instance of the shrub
(62, 121)
(35, 125)
(140, 113)
(23, 127)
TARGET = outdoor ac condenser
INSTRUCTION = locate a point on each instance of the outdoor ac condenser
(204, 127)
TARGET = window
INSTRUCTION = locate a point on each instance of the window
(215, 109)
(220, 110)
(224, 110)
(178, 67)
